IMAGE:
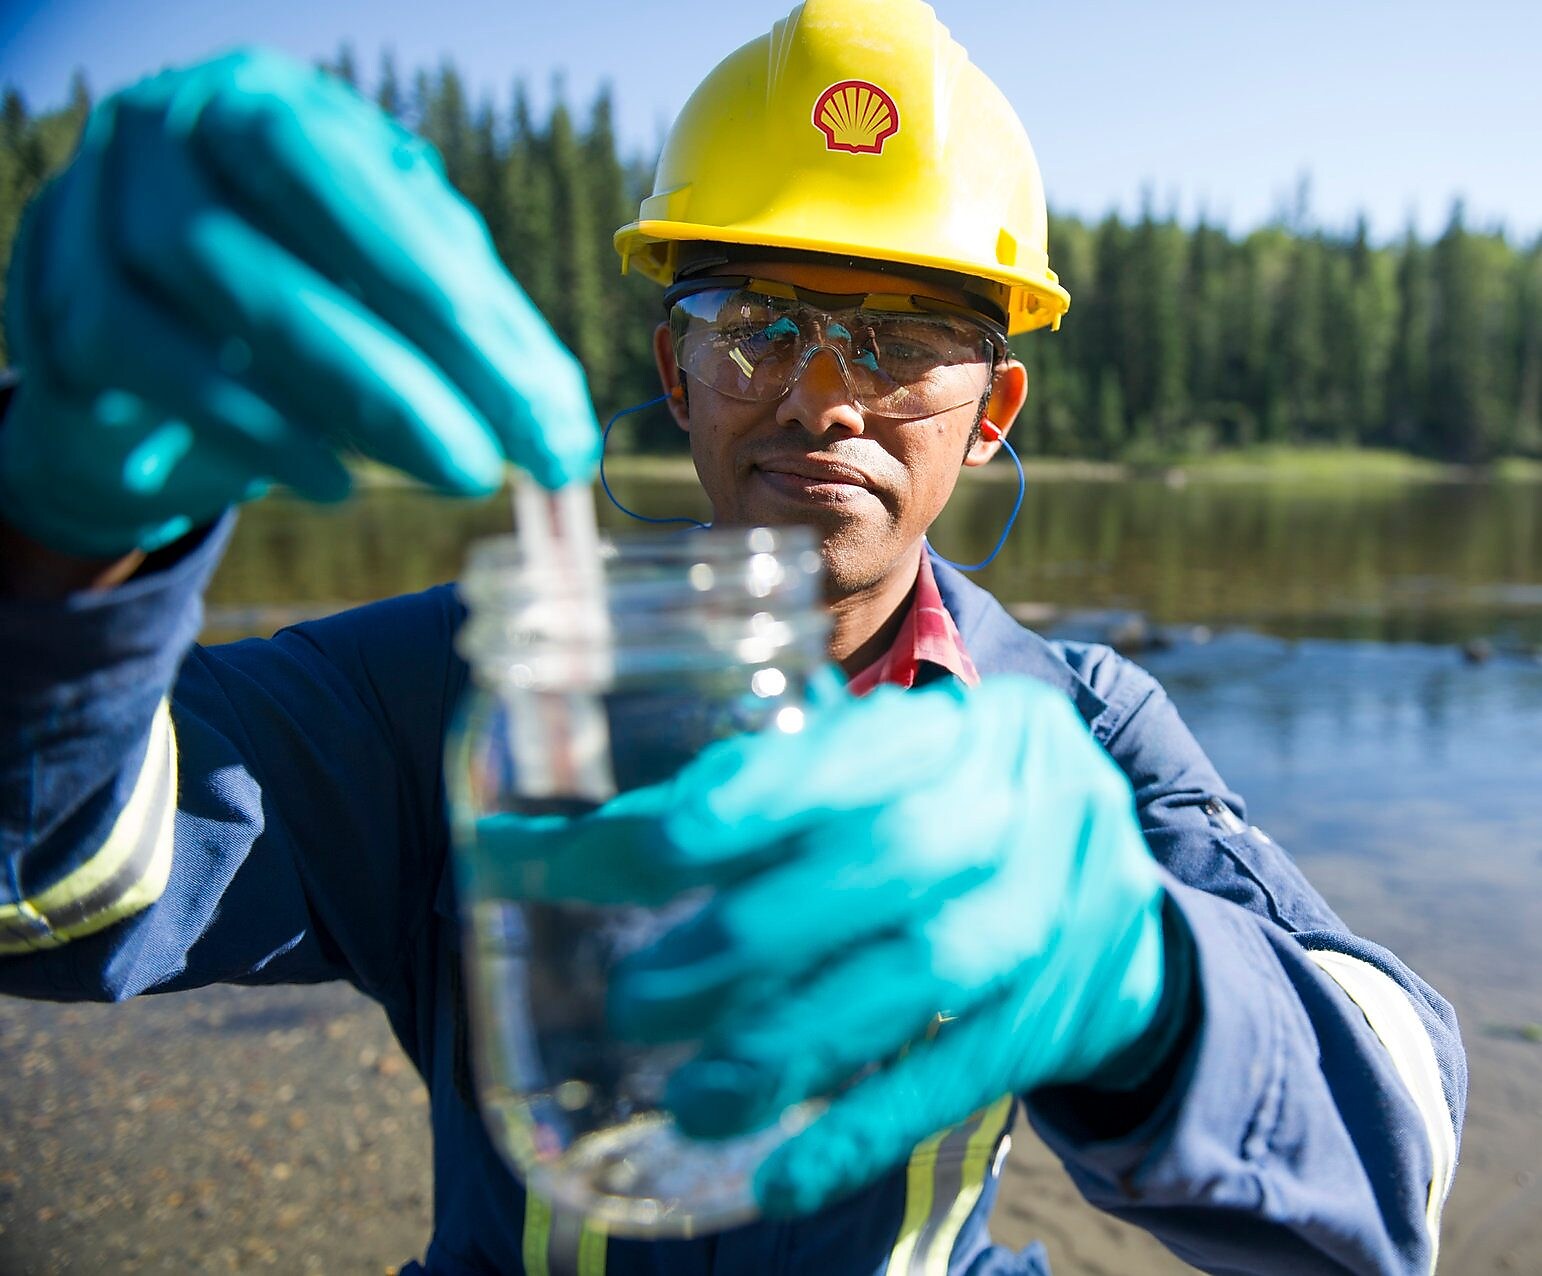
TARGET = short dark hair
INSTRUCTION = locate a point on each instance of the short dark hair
(979, 413)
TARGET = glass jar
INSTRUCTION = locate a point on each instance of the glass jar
(583, 686)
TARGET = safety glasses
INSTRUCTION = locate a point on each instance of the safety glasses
(900, 355)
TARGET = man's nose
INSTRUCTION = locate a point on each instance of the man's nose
(820, 399)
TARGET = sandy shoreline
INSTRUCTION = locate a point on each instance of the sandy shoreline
(282, 1130)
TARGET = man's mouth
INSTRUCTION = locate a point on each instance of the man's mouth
(814, 477)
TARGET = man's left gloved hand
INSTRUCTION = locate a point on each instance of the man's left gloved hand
(942, 894)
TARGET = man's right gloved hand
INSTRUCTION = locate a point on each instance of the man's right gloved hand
(245, 269)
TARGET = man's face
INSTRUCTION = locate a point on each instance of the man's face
(870, 485)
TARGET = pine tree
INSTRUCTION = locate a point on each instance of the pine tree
(57, 133)
(1111, 424)
(421, 109)
(1062, 385)
(20, 136)
(485, 179)
(1151, 321)
(1528, 351)
(32, 148)
(345, 68)
(448, 126)
(1363, 354)
(578, 314)
(1301, 318)
(15, 188)
(388, 94)
(1103, 321)
(1204, 324)
(631, 302)
(1464, 422)
(602, 162)
(80, 98)
(530, 236)
(1408, 375)
(1252, 326)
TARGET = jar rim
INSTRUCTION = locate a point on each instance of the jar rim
(506, 550)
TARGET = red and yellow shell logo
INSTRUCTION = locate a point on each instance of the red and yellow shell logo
(856, 116)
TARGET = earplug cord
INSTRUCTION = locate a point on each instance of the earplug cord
(993, 432)
(987, 428)
(605, 483)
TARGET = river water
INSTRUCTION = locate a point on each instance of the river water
(1381, 560)
(1363, 663)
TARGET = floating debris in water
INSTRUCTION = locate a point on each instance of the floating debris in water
(1477, 651)
(1132, 634)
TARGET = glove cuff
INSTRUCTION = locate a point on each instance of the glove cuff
(1155, 1051)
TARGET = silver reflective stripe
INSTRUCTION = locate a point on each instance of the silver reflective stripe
(561, 1243)
(1392, 1017)
(947, 1183)
(125, 875)
(943, 1182)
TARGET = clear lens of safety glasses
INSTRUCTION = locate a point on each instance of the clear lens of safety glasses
(752, 346)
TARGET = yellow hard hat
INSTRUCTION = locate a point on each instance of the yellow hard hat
(858, 129)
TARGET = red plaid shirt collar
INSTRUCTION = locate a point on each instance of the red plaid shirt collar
(927, 634)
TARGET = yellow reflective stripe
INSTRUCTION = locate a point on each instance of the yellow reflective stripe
(919, 1173)
(977, 1159)
(1392, 1017)
(138, 849)
(592, 1244)
(537, 1233)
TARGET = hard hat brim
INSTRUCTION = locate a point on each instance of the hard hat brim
(650, 247)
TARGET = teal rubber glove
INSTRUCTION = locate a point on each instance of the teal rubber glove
(245, 270)
(973, 855)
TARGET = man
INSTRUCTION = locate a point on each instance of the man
(245, 267)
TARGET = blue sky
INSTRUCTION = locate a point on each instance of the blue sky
(1393, 108)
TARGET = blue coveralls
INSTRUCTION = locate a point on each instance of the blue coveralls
(309, 843)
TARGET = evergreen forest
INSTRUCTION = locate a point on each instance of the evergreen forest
(1180, 338)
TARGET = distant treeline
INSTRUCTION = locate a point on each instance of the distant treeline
(1179, 338)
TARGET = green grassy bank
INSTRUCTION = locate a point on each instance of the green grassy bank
(1318, 465)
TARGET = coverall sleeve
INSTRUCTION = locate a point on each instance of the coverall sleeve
(1313, 1123)
(262, 812)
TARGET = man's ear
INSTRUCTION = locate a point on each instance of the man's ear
(1009, 391)
(669, 376)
